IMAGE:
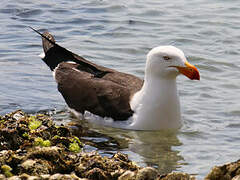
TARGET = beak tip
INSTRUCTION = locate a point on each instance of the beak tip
(190, 71)
(196, 76)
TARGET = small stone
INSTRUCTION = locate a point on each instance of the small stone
(24, 176)
(2, 177)
(117, 173)
(18, 115)
(28, 164)
(148, 173)
(74, 176)
(35, 167)
(45, 176)
(59, 176)
(96, 174)
(33, 178)
(56, 176)
(128, 175)
(236, 177)
(14, 178)
(67, 177)
(178, 176)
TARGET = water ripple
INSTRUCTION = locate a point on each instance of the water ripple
(119, 34)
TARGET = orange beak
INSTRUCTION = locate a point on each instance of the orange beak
(190, 71)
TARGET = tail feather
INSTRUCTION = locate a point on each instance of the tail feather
(55, 54)
(48, 37)
(48, 43)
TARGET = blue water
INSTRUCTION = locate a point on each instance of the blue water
(118, 34)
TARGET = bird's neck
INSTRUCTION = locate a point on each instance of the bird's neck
(156, 105)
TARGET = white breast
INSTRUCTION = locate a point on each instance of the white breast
(156, 106)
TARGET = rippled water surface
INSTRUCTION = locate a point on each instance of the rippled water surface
(118, 34)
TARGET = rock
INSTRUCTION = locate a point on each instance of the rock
(35, 167)
(28, 164)
(14, 178)
(74, 176)
(236, 177)
(59, 176)
(177, 176)
(25, 176)
(147, 173)
(224, 172)
(33, 147)
(2, 177)
(96, 174)
(44, 176)
(32, 178)
(128, 175)
(56, 177)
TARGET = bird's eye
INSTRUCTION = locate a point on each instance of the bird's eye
(166, 58)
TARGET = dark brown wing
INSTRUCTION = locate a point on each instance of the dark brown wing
(86, 86)
(84, 92)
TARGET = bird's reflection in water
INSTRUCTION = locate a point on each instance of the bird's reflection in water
(156, 149)
(146, 148)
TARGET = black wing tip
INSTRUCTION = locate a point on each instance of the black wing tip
(52, 41)
(36, 31)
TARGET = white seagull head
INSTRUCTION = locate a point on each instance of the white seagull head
(168, 62)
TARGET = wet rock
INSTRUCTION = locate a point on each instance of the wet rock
(96, 174)
(94, 166)
(44, 176)
(236, 177)
(54, 158)
(147, 173)
(25, 176)
(35, 167)
(14, 178)
(128, 175)
(2, 177)
(177, 176)
(60, 177)
(33, 178)
(33, 147)
(225, 172)
(19, 130)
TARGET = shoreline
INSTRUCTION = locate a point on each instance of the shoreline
(33, 147)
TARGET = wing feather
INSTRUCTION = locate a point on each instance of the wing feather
(82, 91)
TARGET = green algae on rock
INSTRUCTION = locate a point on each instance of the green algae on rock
(74, 147)
(33, 145)
(40, 142)
(34, 124)
(20, 130)
(6, 170)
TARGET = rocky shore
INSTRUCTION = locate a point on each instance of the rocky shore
(33, 147)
